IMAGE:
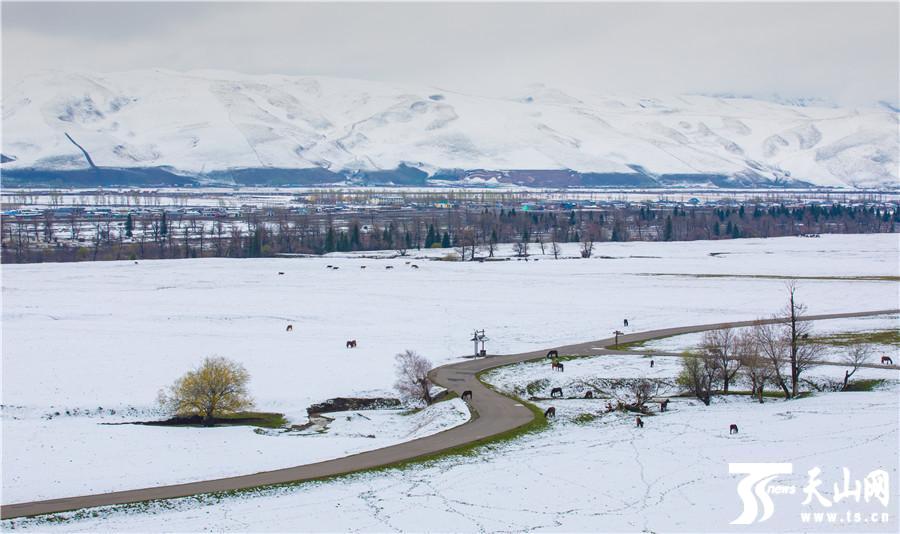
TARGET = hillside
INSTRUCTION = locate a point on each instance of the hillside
(168, 127)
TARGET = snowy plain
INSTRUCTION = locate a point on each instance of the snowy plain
(111, 334)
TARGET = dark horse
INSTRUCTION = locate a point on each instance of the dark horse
(351, 344)
(640, 422)
(551, 412)
(664, 405)
(886, 360)
(554, 391)
(625, 322)
(290, 328)
(733, 429)
(589, 395)
(467, 394)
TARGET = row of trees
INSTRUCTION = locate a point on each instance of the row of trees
(773, 353)
(473, 232)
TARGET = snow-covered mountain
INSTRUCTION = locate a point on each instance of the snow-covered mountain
(207, 123)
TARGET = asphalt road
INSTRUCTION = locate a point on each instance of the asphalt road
(492, 414)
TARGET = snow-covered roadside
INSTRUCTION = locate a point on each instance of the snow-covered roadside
(81, 455)
(605, 475)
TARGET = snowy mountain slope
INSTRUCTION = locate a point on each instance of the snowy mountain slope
(205, 121)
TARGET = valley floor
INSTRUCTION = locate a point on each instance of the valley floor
(109, 335)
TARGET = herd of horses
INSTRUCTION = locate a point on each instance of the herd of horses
(555, 392)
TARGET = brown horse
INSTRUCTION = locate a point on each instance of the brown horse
(551, 412)
(733, 429)
(467, 394)
(554, 391)
(589, 395)
(290, 328)
(886, 360)
(664, 405)
(351, 344)
(556, 366)
(640, 422)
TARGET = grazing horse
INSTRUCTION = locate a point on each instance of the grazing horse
(290, 328)
(556, 366)
(733, 429)
(664, 405)
(467, 394)
(589, 395)
(554, 391)
(389, 267)
(362, 266)
(351, 344)
(414, 266)
(640, 422)
(553, 354)
(886, 360)
(280, 272)
(551, 412)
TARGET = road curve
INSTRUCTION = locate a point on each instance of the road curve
(492, 414)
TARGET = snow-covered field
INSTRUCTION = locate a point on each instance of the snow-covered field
(111, 334)
(44, 459)
(605, 475)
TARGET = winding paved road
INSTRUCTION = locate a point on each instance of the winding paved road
(492, 414)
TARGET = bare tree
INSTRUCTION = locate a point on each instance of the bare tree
(587, 246)
(857, 356)
(771, 344)
(520, 247)
(803, 354)
(218, 386)
(756, 368)
(632, 393)
(412, 376)
(721, 346)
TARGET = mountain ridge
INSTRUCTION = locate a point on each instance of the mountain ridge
(209, 125)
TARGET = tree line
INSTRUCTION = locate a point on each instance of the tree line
(473, 233)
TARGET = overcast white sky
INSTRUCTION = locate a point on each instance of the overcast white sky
(846, 52)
